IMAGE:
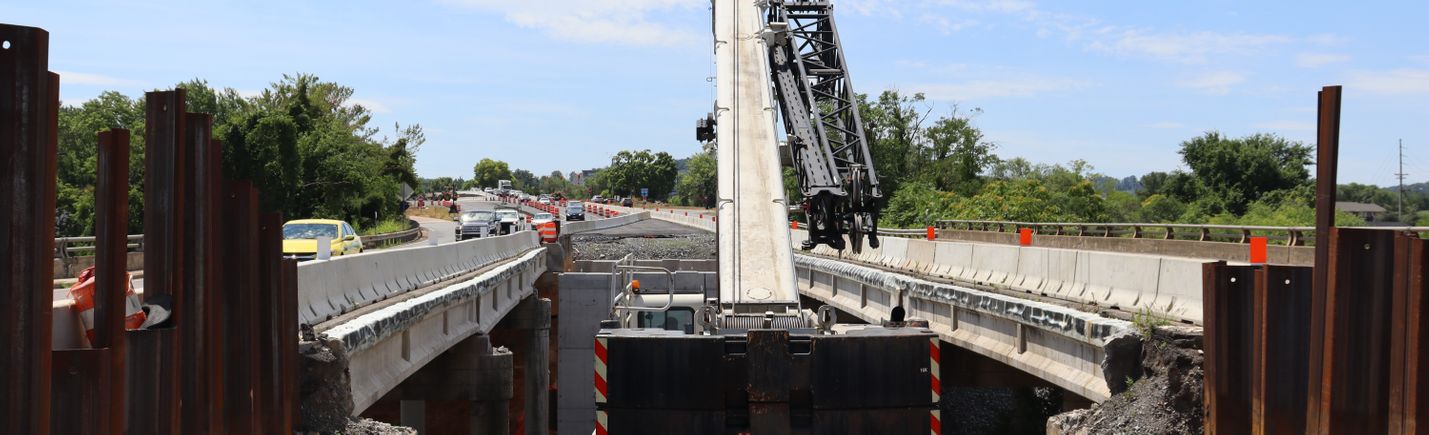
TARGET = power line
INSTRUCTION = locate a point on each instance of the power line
(1401, 175)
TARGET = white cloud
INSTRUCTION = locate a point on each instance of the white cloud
(74, 102)
(1326, 39)
(1393, 82)
(947, 26)
(872, 7)
(87, 79)
(948, 68)
(372, 105)
(1110, 38)
(1186, 47)
(1023, 86)
(602, 21)
(1003, 6)
(1165, 125)
(1214, 82)
(1316, 60)
(1286, 126)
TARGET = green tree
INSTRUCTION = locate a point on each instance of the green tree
(1123, 206)
(958, 153)
(917, 204)
(1152, 183)
(556, 183)
(441, 184)
(1013, 168)
(597, 184)
(77, 161)
(525, 181)
(1162, 208)
(263, 147)
(893, 125)
(630, 171)
(402, 156)
(1239, 171)
(700, 183)
(487, 172)
(308, 150)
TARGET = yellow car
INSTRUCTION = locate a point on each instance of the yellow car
(300, 238)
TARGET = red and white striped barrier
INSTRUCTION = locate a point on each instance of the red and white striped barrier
(937, 384)
(601, 425)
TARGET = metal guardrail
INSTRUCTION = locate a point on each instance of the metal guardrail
(913, 233)
(1289, 236)
(907, 233)
(413, 230)
(66, 247)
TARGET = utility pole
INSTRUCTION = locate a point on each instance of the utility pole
(1401, 174)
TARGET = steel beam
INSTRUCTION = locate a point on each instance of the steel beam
(1351, 393)
(1327, 156)
(29, 107)
(111, 252)
(1282, 349)
(1408, 392)
(196, 311)
(1228, 301)
(152, 358)
(239, 316)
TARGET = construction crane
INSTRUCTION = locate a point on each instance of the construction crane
(826, 142)
(754, 360)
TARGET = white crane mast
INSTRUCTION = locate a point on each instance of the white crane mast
(756, 265)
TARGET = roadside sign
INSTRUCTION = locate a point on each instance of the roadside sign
(644, 192)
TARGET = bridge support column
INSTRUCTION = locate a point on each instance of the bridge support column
(532, 322)
(472, 371)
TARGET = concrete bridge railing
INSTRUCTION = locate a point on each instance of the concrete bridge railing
(1061, 345)
(1163, 285)
(601, 224)
(1064, 345)
(1168, 286)
(394, 339)
(330, 288)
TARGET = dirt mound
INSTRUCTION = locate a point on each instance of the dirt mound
(1165, 400)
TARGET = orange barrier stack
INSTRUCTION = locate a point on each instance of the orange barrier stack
(83, 294)
(548, 231)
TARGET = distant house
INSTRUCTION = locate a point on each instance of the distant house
(578, 177)
(1370, 212)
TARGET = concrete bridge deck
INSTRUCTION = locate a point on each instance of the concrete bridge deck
(1036, 309)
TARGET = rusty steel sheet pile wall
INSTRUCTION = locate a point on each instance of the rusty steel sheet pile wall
(1334, 348)
(224, 362)
(1261, 341)
(29, 105)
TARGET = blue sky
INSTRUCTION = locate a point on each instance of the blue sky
(563, 84)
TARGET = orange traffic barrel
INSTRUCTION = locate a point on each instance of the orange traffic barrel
(548, 232)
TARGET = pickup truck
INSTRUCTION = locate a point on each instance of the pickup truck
(475, 224)
(510, 220)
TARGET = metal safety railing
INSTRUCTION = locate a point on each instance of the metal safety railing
(623, 287)
(1289, 236)
(66, 247)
